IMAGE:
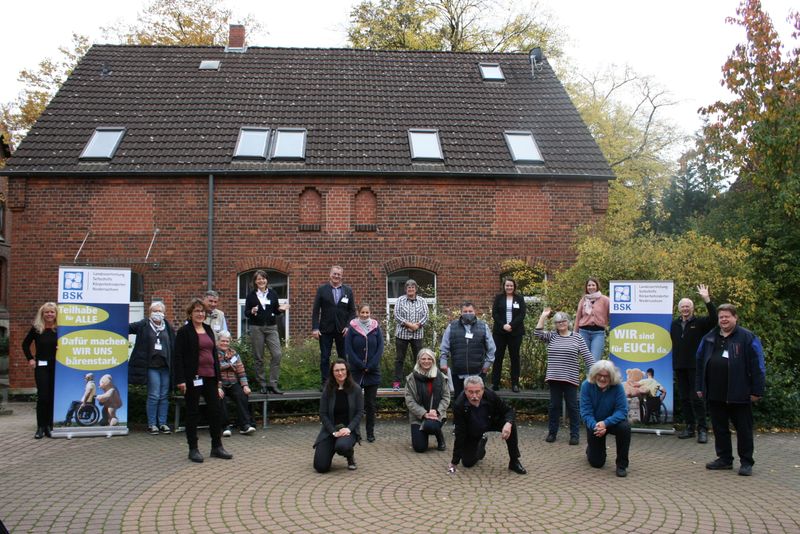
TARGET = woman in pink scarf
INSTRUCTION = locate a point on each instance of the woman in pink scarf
(363, 345)
(591, 319)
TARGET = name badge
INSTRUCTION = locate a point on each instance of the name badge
(345, 300)
(468, 335)
(234, 360)
(197, 382)
(267, 303)
(725, 353)
(217, 326)
(158, 344)
(41, 363)
(515, 305)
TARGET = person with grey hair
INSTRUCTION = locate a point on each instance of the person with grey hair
(410, 314)
(604, 410)
(467, 348)
(477, 411)
(233, 380)
(151, 364)
(565, 349)
(215, 318)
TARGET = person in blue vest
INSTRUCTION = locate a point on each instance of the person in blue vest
(363, 344)
(467, 348)
(731, 376)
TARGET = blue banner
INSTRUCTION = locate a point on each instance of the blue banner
(639, 344)
(91, 374)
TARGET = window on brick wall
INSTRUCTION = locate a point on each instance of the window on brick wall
(396, 287)
(366, 211)
(279, 282)
(310, 210)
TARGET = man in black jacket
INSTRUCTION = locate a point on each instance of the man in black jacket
(686, 332)
(475, 412)
(334, 307)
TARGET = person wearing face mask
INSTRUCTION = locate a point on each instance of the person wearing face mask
(467, 348)
(363, 344)
(151, 363)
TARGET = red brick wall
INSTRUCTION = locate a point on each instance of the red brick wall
(460, 228)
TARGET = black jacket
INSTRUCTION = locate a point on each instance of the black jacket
(329, 317)
(746, 368)
(355, 409)
(685, 341)
(139, 361)
(265, 316)
(517, 315)
(187, 353)
(500, 413)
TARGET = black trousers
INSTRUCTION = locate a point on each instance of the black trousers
(471, 451)
(401, 347)
(741, 415)
(45, 392)
(370, 406)
(236, 394)
(419, 439)
(325, 449)
(209, 391)
(326, 342)
(596, 448)
(692, 406)
(513, 343)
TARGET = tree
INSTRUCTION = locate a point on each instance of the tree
(181, 22)
(41, 85)
(453, 25)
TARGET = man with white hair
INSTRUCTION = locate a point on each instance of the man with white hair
(686, 332)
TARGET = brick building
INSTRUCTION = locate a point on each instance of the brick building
(389, 163)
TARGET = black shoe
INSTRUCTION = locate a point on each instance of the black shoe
(718, 464)
(574, 440)
(622, 472)
(482, 447)
(321, 387)
(274, 389)
(686, 433)
(263, 390)
(351, 462)
(195, 456)
(220, 452)
(702, 436)
(47, 430)
(746, 470)
(515, 388)
(441, 446)
(515, 466)
(39, 433)
(495, 387)
(371, 439)
(550, 438)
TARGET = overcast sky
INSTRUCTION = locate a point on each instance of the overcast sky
(682, 44)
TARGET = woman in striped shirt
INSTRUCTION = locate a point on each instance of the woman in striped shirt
(564, 349)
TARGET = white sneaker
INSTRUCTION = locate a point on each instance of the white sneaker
(249, 430)
(226, 433)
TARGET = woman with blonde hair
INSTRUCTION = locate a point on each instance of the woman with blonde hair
(42, 336)
(427, 398)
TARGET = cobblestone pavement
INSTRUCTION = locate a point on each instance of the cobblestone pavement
(143, 483)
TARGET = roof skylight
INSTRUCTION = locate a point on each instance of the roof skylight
(491, 72)
(103, 143)
(523, 147)
(209, 64)
(289, 143)
(425, 145)
(252, 143)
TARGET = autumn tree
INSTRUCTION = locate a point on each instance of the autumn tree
(453, 25)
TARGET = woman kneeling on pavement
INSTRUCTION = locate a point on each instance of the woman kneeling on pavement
(234, 385)
(427, 399)
(340, 409)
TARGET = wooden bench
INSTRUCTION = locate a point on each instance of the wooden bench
(313, 394)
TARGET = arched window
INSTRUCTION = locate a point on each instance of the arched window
(279, 282)
(310, 211)
(396, 287)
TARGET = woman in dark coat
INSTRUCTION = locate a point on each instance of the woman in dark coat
(508, 313)
(197, 373)
(42, 336)
(363, 345)
(340, 409)
(151, 363)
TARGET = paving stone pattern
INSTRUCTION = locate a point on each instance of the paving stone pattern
(143, 483)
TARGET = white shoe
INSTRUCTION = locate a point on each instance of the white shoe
(226, 433)
(249, 430)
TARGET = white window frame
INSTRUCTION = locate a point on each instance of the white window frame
(240, 317)
(392, 301)
(522, 158)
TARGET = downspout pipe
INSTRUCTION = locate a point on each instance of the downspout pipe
(210, 241)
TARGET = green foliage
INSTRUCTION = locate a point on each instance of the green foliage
(531, 278)
(453, 25)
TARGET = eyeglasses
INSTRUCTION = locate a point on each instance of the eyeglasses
(603, 376)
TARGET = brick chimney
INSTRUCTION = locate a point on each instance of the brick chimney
(236, 36)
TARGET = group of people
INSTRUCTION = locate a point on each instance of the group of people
(716, 363)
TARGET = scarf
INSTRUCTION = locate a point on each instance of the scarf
(426, 399)
(588, 301)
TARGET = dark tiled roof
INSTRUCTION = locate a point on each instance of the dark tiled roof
(356, 104)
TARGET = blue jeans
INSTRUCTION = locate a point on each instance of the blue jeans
(595, 340)
(157, 396)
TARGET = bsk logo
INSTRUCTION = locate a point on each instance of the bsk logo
(622, 293)
(73, 280)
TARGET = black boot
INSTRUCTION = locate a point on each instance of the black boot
(39, 433)
(351, 462)
(440, 443)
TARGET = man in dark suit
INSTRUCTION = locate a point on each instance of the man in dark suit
(334, 307)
